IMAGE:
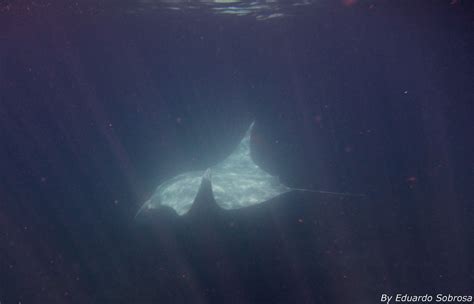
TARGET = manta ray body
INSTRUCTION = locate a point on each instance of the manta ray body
(236, 182)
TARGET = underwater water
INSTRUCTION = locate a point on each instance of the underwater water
(101, 102)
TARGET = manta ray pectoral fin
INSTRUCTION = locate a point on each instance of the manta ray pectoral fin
(238, 182)
(177, 193)
(146, 205)
(207, 174)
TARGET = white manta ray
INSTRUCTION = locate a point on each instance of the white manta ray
(236, 182)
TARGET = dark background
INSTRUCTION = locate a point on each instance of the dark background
(98, 107)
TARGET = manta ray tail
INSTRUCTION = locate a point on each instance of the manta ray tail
(329, 192)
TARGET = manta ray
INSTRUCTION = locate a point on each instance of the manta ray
(236, 182)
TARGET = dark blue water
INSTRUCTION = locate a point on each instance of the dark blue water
(99, 106)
